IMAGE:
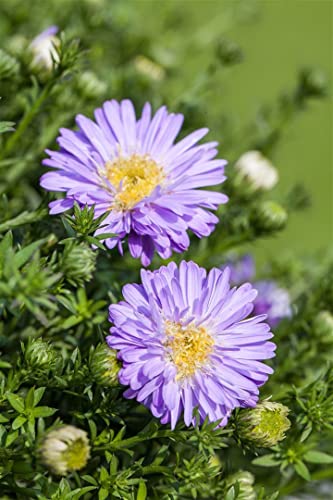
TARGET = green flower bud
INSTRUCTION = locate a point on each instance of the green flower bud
(90, 86)
(323, 326)
(265, 425)
(9, 66)
(149, 68)
(312, 83)
(65, 449)
(78, 263)
(269, 216)
(228, 52)
(244, 480)
(104, 365)
(40, 355)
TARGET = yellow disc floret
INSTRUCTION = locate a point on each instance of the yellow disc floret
(134, 178)
(188, 346)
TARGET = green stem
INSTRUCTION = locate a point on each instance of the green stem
(26, 120)
(133, 441)
(155, 469)
(23, 218)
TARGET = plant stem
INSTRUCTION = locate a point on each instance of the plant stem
(26, 120)
(130, 442)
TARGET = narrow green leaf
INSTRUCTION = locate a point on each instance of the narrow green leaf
(302, 470)
(16, 402)
(142, 491)
(43, 411)
(266, 461)
(318, 457)
(18, 422)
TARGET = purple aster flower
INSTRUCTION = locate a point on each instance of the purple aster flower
(134, 170)
(185, 341)
(242, 269)
(271, 300)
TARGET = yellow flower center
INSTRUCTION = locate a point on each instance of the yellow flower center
(76, 455)
(134, 178)
(189, 347)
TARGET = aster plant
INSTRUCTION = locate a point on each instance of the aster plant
(151, 347)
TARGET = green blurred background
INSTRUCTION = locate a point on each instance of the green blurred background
(281, 37)
(278, 38)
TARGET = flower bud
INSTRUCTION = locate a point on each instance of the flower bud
(90, 86)
(228, 52)
(9, 66)
(265, 425)
(245, 481)
(257, 171)
(269, 216)
(43, 49)
(40, 355)
(65, 449)
(323, 326)
(149, 68)
(78, 262)
(105, 366)
(312, 83)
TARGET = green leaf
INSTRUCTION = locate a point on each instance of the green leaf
(43, 411)
(266, 461)
(39, 393)
(302, 470)
(103, 494)
(16, 402)
(318, 457)
(22, 256)
(6, 127)
(18, 422)
(142, 491)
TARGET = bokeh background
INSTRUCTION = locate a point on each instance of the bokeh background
(277, 37)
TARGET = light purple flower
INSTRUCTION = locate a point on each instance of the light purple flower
(271, 300)
(185, 341)
(134, 170)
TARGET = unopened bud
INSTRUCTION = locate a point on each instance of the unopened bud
(40, 355)
(244, 480)
(78, 262)
(43, 49)
(149, 68)
(256, 170)
(65, 449)
(323, 326)
(265, 425)
(105, 366)
(269, 216)
(90, 86)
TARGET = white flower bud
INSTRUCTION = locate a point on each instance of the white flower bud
(257, 170)
(43, 49)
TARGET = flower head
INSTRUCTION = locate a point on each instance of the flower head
(264, 425)
(43, 48)
(186, 341)
(65, 450)
(133, 170)
(257, 170)
(271, 300)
